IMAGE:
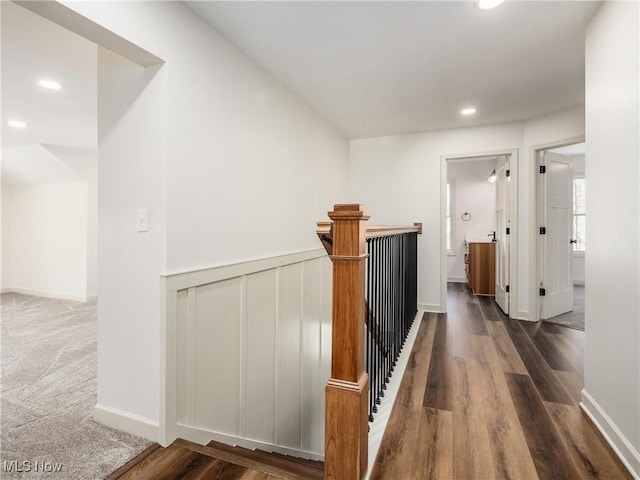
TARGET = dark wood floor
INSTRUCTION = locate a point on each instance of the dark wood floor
(483, 397)
(487, 397)
(189, 461)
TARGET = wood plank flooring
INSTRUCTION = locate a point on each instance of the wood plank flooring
(499, 401)
(483, 397)
(189, 461)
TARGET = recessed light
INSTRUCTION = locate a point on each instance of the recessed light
(50, 84)
(16, 124)
(468, 111)
(488, 4)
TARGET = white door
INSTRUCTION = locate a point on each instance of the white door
(556, 288)
(502, 236)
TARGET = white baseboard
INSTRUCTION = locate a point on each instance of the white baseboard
(431, 308)
(45, 294)
(127, 422)
(614, 437)
(454, 279)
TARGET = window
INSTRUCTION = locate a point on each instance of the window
(579, 214)
(450, 213)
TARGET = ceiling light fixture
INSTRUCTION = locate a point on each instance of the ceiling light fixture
(16, 124)
(50, 84)
(468, 111)
(488, 4)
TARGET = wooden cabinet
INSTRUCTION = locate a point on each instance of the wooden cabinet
(481, 268)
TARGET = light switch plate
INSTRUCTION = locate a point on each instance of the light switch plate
(143, 220)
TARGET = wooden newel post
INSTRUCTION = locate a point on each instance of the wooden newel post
(346, 419)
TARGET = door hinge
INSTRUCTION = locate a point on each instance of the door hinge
(543, 292)
(543, 231)
(508, 231)
(508, 173)
(543, 169)
(506, 289)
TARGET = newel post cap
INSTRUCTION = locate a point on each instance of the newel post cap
(349, 211)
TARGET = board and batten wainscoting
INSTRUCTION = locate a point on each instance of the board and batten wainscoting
(247, 352)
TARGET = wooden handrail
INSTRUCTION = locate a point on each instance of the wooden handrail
(346, 393)
(324, 232)
(385, 230)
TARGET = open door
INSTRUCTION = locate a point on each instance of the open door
(502, 236)
(556, 230)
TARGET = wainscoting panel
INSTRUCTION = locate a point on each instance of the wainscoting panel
(251, 352)
(288, 384)
(261, 337)
(312, 379)
(214, 332)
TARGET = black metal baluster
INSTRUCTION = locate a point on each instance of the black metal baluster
(397, 334)
(387, 312)
(379, 323)
(391, 305)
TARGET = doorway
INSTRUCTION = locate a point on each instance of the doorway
(561, 218)
(49, 158)
(131, 144)
(470, 216)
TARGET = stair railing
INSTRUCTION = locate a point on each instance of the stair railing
(374, 303)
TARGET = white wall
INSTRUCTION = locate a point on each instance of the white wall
(232, 129)
(408, 166)
(131, 176)
(233, 167)
(579, 165)
(92, 233)
(48, 232)
(5, 226)
(84, 161)
(612, 351)
(476, 196)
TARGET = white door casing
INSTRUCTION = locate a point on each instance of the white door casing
(512, 199)
(556, 214)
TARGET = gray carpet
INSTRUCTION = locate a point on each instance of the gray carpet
(575, 318)
(48, 388)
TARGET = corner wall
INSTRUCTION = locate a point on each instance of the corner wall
(407, 169)
(612, 368)
(5, 226)
(45, 232)
(131, 176)
(240, 169)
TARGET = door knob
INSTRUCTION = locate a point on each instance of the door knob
(573, 241)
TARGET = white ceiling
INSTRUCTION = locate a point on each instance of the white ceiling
(571, 150)
(61, 125)
(371, 68)
(33, 164)
(381, 68)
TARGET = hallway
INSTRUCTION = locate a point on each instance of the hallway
(486, 397)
